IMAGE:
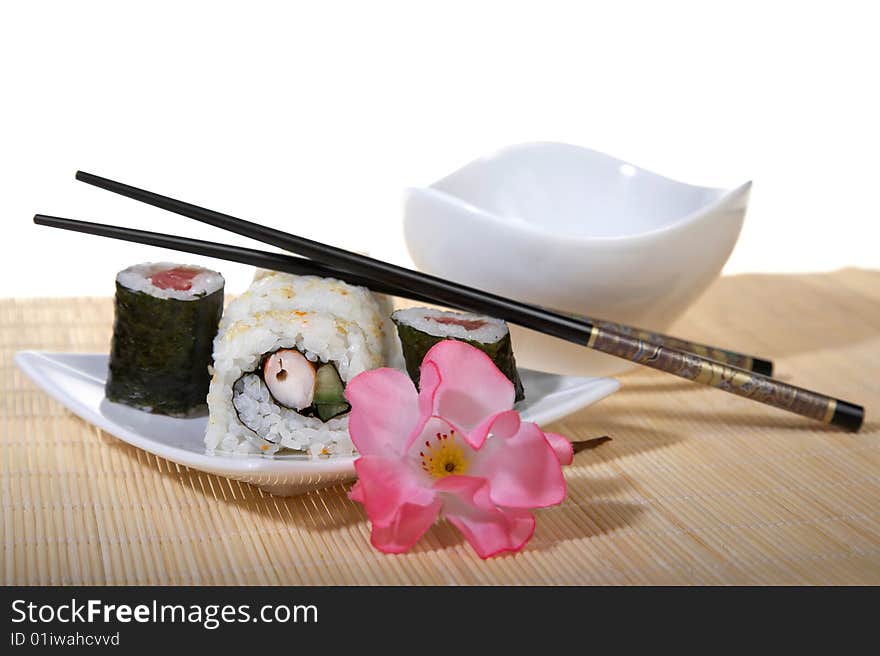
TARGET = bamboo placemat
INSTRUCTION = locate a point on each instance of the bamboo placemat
(697, 486)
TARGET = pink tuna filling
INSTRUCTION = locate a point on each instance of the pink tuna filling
(179, 278)
(467, 324)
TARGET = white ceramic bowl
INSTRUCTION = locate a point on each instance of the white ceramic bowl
(578, 231)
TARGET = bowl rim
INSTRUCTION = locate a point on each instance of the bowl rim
(737, 197)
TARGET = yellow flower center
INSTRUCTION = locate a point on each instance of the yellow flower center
(443, 456)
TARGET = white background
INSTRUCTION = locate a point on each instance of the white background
(314, 116)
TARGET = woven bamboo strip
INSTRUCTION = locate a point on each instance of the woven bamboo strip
(697, 487)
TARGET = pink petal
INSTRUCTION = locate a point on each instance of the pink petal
(356, 493)
(503, 423)
(466, 386)
(522, 467)
(385, 485)
(429, 381)
(384, 411)
(489, 529)
(562, 447)
(405, 528)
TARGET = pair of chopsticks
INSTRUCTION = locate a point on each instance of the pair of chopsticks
(706, 365)
(305, 267)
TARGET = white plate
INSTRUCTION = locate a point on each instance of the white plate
(76, 380)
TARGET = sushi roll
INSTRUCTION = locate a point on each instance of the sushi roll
(420, 328)
(285, 351)
(166, 317)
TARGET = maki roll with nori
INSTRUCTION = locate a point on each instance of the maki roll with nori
(420, 328)
(284, 354)
(166, 319)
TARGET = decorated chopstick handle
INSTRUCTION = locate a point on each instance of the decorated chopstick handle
(730, 379)
(734, 359)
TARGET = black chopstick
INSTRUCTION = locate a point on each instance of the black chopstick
(442, 291)
(286, 263)
(679, 363)
(260, 259)
(407, 281)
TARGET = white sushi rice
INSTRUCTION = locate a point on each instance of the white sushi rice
(426, 320)
(137, 278)
(271, 290)
(327, 321)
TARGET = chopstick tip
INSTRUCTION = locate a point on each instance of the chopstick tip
(763, 367)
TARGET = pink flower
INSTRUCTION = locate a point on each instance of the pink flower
(456, 448)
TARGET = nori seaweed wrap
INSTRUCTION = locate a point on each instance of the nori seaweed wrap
(166, 319)
(421, 328)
